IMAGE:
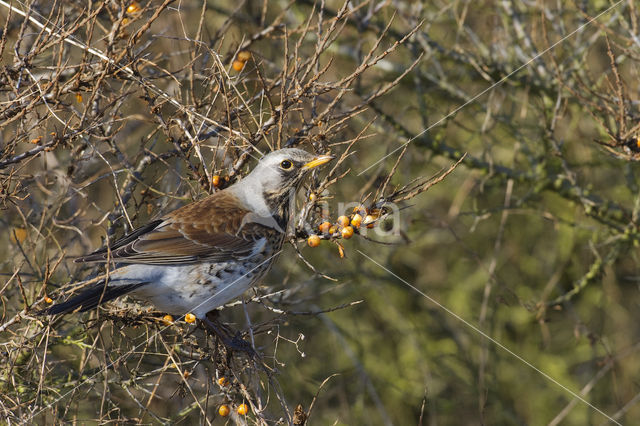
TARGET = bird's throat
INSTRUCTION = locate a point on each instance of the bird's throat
(278, 203)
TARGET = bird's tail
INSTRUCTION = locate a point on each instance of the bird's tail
(90, 298)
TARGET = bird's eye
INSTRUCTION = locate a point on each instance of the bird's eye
(286, 165)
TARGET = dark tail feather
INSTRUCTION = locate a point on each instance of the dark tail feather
(90, 298)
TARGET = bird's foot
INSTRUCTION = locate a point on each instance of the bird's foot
(234, 342)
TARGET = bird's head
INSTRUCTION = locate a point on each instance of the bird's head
(277, 176)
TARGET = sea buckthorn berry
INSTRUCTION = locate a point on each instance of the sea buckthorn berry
(223, 381)
(48, 299)
(343, 221)
(215, 181)
(18, 235)
(243, 56)
(368, 220)
(167, 319)
(324, 227)
(313, 240)
(356, 220)
(360, 209)
(133, 7)
(79, 98)
(190, 318)
(238, 65)
(224, 410)
(347, 232)
(243, 409)
(332, 230)
(313, 197)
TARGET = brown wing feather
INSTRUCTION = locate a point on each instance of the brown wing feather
(209, 229)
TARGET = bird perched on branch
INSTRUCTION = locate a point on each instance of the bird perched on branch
(206, 253)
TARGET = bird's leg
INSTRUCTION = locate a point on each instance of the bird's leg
(234, 343)
(213, 315)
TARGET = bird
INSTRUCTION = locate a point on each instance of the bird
(206, 253)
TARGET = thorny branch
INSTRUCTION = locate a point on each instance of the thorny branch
(120, 129)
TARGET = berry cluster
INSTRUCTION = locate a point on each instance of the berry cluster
(224, 410)
(168, 319)
(345, 226)
(241, 59)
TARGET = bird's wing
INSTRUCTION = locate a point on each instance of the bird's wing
(212, 229)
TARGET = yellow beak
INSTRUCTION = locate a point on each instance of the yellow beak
(318, 161)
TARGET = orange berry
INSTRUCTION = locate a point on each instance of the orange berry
(343, 221)
(190, 318)
(48, 299)
(332, 230)
(224, 410)
(347, 232)
(360, 209)
(79, 98)
(167, 319)
(313, 240)
(324, 227)
(36, 141)
(356, 220)
(313, 197)
(18, 235)
(215, 181)
(368, 220)
(238, 65)
(133, 7)
(243, 409)
(243, 56)
(223, 381)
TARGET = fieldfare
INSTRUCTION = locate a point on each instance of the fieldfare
(206, 253)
